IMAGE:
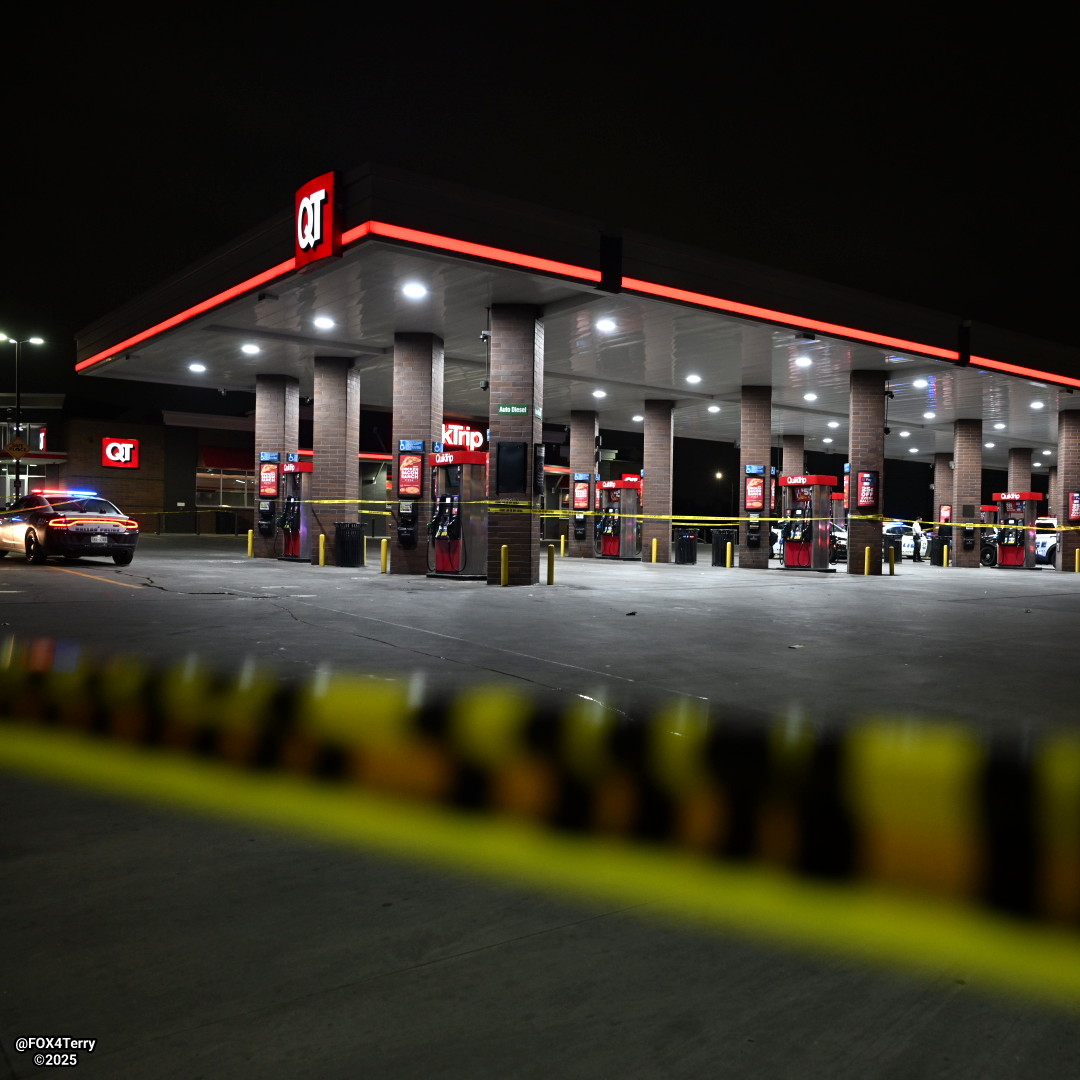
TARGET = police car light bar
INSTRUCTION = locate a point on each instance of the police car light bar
(50, 491)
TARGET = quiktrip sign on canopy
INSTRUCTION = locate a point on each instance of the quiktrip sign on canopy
(317, 229)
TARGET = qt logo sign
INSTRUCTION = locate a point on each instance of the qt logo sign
(120, 453)
(317, 234)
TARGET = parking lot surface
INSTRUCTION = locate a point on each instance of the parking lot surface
(203, 948)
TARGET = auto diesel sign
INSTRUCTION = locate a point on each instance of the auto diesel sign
(120, 453)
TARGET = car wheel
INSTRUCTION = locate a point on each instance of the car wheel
(1051, 555)
(122, 558)
(35, 551)
(3, 553)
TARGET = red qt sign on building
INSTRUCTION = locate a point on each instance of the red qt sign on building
(120, 453)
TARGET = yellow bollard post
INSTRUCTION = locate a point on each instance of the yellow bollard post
(384, 555)
(654, 549)
(504, 569)
(866, 562)
(944, 554)
(892, 561)
(562, 546)
(322, 549)
(1077, 566)
(251, 544)
(363, 552)
(729, 559)
(551, 564)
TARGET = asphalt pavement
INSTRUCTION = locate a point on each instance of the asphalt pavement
(194, 947)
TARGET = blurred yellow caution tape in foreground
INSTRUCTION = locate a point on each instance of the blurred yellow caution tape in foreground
(901, 842)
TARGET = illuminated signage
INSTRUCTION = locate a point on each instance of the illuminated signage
(318, 234)
(755, 493)
(120, 453)
(410, 476)
(462, 435)
(866, 490)
(268, 480)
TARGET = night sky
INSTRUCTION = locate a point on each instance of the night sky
(932, 159)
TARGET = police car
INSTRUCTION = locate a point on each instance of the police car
(1046, 540)
(70, 524)
(892, 529)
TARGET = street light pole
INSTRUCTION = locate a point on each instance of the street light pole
(18, 343)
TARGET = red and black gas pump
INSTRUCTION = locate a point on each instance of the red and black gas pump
(457, 533)
(806, 504)
(618, 525)
(1017, 511)
(293, 519)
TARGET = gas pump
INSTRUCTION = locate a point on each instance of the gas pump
(457, 532)
(618, 526)
(293, 518)
(806, 503)
(1017, 511)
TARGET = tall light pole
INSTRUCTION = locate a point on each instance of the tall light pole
(18, 343)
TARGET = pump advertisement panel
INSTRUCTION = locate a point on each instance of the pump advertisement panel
(268, 480)
(755, 493)
(410, 476)
(1074, 505)
(867, 491)
(581, 495)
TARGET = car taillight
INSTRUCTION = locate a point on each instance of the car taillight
(67, 522)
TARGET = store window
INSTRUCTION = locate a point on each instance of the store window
(225, 487)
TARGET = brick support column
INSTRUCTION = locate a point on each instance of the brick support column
(656, 488)
(942, 485)
(1019, 468)
(755, 448)
(418, 414)
(335, 441)
(584, 429)
(277, 430)
(866, 453)
(1068, 480)
(967, 489)
(517, 378)
(793, 461)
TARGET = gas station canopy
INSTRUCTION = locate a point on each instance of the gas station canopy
(626, 318)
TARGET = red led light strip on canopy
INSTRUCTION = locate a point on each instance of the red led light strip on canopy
(552, 266)
(466, 247)
(1028, 373)
(768, 315)
(189, 313)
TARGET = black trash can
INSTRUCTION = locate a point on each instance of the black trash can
(937, 550)
(686, 547)
(348, 541)
(897, 546)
